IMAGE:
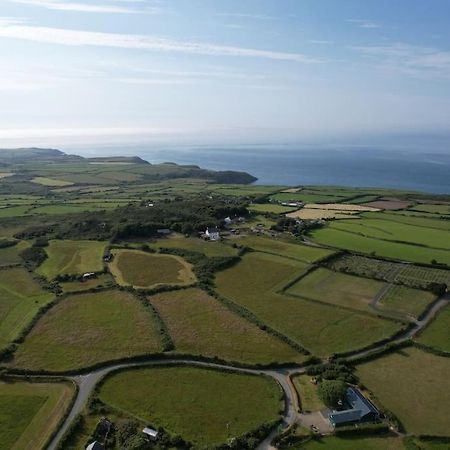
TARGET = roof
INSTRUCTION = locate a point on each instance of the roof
(358, 408)
(212, 230)
(95, 446)
(150, 431)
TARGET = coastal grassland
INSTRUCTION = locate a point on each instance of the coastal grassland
(201, 325)
(333, 237)
(406, 300)
(405, 217)
(204, 407)
(20, 299)
(103, 280)
(415, 386)
(322, 329)
(50, 182)
(70, 208)
(437, 333)
(280, 247)
(72, 257)
(316, 214)
(307, 392)
(208, 248)
(85, 329)
(353, 443)
(31, 412)
(273, 208)
(11, 255)
(337, 288)
(396, 232)
(145, 270)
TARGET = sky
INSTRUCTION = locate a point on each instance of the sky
(221, 71)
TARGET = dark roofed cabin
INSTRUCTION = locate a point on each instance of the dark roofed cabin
(359, 410)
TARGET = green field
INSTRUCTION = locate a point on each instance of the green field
(103, 280)
(354, 443)
(20, 299)
(405, 300)
(208, 248)
(85, 329)
(72, 257)
(320, 328)
(405, 217)
(31, 412)
(50, 182)
(10, 255)
(204, 407)
(307, 392)
(415, 386)
(394, 250)
(424, 275)
(280, 247)
(306, 197)
(437, 333)
(201, 325)
(337, 289)
(432, 209)
(270, 208)
(146, 270)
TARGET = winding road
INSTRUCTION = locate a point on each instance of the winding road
(87, 382)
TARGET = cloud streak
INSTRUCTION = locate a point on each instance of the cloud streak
(131, 41)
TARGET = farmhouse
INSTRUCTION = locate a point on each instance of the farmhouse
(358, 409)
(151, 433)
(95, 446)
(212, 234)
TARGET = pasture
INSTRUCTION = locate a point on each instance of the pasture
(437, 333)
(432, 209)
(340, 207)
(354, 443)
(146, 270)
(72, 257)
(281, 247)
(389, 204)
(307, 392)
(31, 412)
(20, 299)
(85, 329)
(10, 255)
(415, 386)
(50, 182)
(322, 329)
(201, 325)
(103, 280)
(272, 208)
(321, 214)
(204, 407)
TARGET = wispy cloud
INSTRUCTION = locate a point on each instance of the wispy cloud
(63, 5)
(143, 42)
(364, 23)
(408, 59)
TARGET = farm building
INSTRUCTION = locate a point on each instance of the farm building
(212, 234)
(151, 433)
(358, 409)
(88, 276)
(95, 446)
(163, 231)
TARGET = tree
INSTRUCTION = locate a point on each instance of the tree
(331, 391)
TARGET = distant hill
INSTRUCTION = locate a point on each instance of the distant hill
(11, 155)
(118, 159)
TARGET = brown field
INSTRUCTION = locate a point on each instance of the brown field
(316, 214)
(388, 204)
(340, 207)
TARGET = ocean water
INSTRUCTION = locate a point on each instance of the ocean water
(425, 171)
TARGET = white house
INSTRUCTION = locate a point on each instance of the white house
(151, 433)
(212, 234)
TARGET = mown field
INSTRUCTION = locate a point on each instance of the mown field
(205, 407)
(316, 214)
(437, 333)
(322, 329)
(307, 392)
(20, 299)
(415, 386)
(11, 255)
(31, 412)
(84, 329)
(201, 325)
(145, 270)
(432, 209)
(354, 443)
(273, 208)
(72, 257)
(280, 247)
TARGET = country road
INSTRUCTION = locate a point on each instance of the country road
(87, 382)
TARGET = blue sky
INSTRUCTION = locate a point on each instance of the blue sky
(234, 71)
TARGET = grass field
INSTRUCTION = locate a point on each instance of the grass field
(307, 392)
(145, 270)
(337, 289)
(20, 299)
(201, 325)
(405, 217)
(322, 214)
(270, 208)
(415, 386)
(208, 248)
(432, 209)
(354, 443)
(85, 329)
(340, 207)
(394, 250)
(279, 247)
(72, 257)
(437, 333)
(103, 280)
(31, 412)
(205, 407)
(322, 329)
(51, 182)
(406, 300)
(306, 197)
(10, 255)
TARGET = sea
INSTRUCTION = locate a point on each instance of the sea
(403, 169)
